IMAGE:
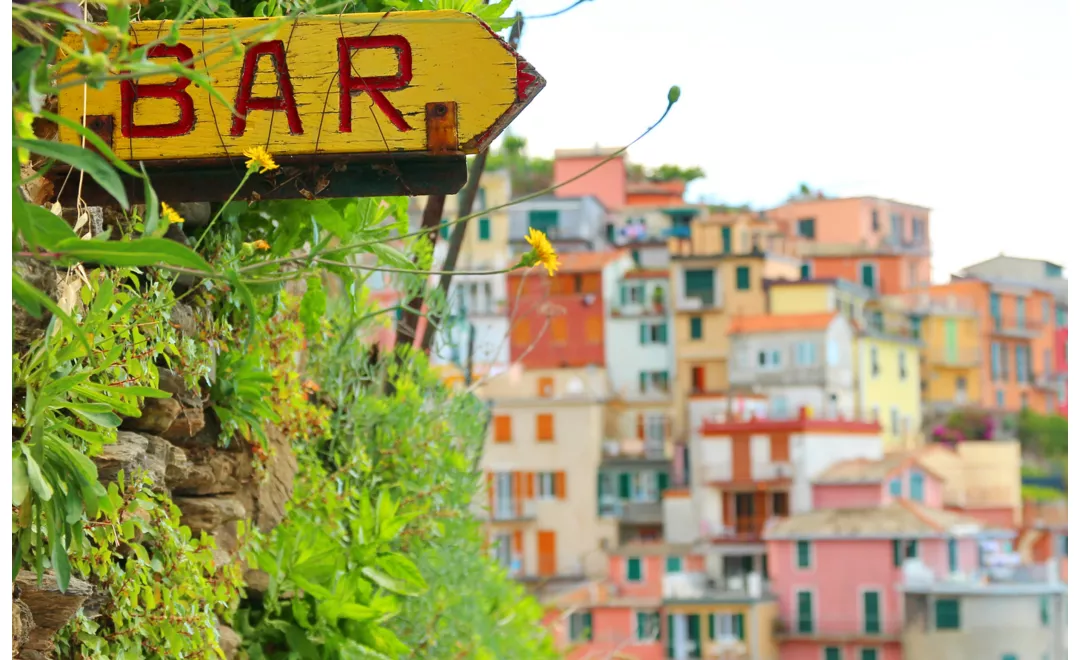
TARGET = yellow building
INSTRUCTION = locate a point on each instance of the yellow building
(487, 238)
(697, 620)
(715, 275)
(541, 466)
(981, 479)
(951, 356)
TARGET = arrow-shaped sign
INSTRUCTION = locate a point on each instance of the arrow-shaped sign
(437, 82)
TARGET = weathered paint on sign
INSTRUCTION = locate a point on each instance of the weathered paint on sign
(426, 81)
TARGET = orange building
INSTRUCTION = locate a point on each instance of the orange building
(559, 321)
(880, 243)
(607, 183)
(1017, 342)
(655, 193)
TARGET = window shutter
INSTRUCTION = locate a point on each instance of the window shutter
(663, 333)
(491, 491)
(588, 625)
(530, 485)
(670, 636)
(624, 485)
(633, 569)
(560, 485)
(643, 332)
(712, 626)
(623, 295)
(640, 426)
(600, 494)
(694, 624)
(897, 558)
(519, 542)
(661, 481)
(740, 631)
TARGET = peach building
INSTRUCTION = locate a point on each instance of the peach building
(981, 479)
(607, 183)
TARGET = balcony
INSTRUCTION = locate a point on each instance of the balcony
(637, 309)
(825, 627)
(634, 452)
(1011, 326)
(697, 302)
(699, 587)
(513, 510)
(809, 376)
(631, 512)
(958, 358)
(1048, 380)
(721, 473)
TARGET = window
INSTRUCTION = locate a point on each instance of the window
(1061, 317)
(545, 485)
(484, 229)
(915, 487)
(580, 626)
(726, 627)
(897, 226)
(894, 420)
(947, 614)
(742, 278)
(895, 487)
(871, 612)
(805, 618)
(806, 272)
(999, 397)
(725, 239)
(545, 387)
(1063, 545)
(648, 626)
(545, 221)
(875, 368)
(1022, 364)
(832, 653)
(806, 354)
(697, 379)
(1021, 311)
(522, 336)
(699, 284)
(695, 327)
(653, 381)
(634, 569)
(545, 427)
(806, 227)
(594, 329)
(995, 360)
(1008, 656)
(644, 486)
(1044, 610)
(832, 353)
(903, 365)
(673, 565)
(954, 557)
(1046, 311)
(802, 554)
(875, 223)
(653, 333)
(904, 549)
(868, 273)
(502, 428)
(769, 359)
(868, 654)
(632, 293)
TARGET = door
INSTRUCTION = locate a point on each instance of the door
(504, 498)
(545, 550)
(698, 377)
(869, 278)
(951, 350)
(725, 235)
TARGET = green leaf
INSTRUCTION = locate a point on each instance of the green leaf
(298, 641)
(139, 252)
(60, 563)
(38, 482)
(41, 229)
(153, 211)
(313, 306)
(20, 480)
(390, 583)
(391, 256)
(403, 569)
(95, 413)
(26, 294)
(82, 159)
(93, 139)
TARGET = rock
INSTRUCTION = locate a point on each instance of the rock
(256, 580)
(195, 214)
(25, 327)
(229, 641)
(133, 453)
(186, 425)
(158, 416)
(183, 316)
(277, 489)
(208, 514)
(50, 609)
(22, 623)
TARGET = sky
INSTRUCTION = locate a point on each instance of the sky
(968, 107)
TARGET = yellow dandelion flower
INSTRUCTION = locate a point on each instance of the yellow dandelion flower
(260, 159)
(261, 245)
(542, 251)
(170, 215)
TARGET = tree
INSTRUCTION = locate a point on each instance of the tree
(676, 173)
(527, 174)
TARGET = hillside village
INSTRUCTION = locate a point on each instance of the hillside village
(760, 434)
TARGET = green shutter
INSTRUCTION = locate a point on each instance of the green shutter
(644, 334)
(693, 622)
(661, 481)
(725, 236)
(624, 485)
(806, 612)
(740, 628)
(804, 272)
(544, 221)
(624, 294)
(643, 378)
(871, 612)
(802, 549)
(1044, 610)
(663, 333)
(951, 345)
(485, 229)
(444, 230)
(897, 558)
(954, 560)
(695, 327)
(868, 654)
(641, 624)
(742, 278)
(633, 569)
(673, 565)
(832, 653)
(712, 626)
(669, 636)
(868, 276)
(587, 620)
(947, 614)
(913, 549)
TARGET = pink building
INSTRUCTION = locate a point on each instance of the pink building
(836, 570)
(1061, 367)
(607, 183)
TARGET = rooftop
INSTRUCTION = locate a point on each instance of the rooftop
(804, 423)
(591, 152)
(901, 518)
(872, 198)
(742, 325)
(864, 471)
(646, 274)
(652, 548)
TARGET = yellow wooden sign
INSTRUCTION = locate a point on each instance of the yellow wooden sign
(425, 81)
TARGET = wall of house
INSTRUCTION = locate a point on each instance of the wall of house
(680, 526)
(607, 183)
(847, 496)
(626, 356)
(812, 453)
(979, 477)
(892, 271)
(944, 368)
(615, 631)
(802, 299)
(812, 650)
(582, 218)
(888, 391)
(990, 626)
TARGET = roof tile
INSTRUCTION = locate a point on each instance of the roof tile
(780, 323)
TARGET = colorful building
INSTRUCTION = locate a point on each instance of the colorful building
(541, 464)
(607, 182)
(880, 243)
(982, 479)
(835, 569)
(558, 321)
(888, 383)
(572, 224)
(1016, 323)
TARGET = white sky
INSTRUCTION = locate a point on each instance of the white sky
(966, 106)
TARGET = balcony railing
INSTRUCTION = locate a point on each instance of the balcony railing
(702, 586)
(831, 627)
(1048, 380)
(634, 309)
(511, 510)
(1013, 326)
(696, 302)
(967, 357)
(631, 512)
(810, 376)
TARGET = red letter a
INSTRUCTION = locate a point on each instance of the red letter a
(131, 91)
(285, 101)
